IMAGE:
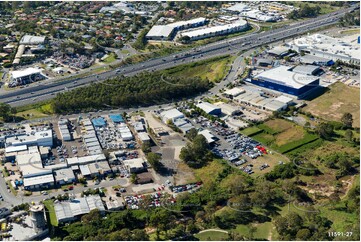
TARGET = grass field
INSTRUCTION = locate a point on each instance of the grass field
(282, 135)
(209, 173)
(338, 100)
(111, 58)
(212, 236)
(49, 204)
(251, 131)
(214, 69)
(263, 231)
(350, 31)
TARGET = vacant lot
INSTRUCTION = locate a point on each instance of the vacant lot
(278, 125)
(251, 131)
(338, 100)
(209, 173)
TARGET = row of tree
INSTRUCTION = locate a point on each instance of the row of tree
(141, 90)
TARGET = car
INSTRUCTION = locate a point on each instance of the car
(97, 183)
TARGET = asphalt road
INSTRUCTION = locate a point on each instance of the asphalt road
(230, 46)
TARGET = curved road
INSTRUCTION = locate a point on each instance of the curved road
(231, 46)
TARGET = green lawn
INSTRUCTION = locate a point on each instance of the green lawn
(350, 31)
(263, 230)
(49, 205)
(212, 236)
(111, 58)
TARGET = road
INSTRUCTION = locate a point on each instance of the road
(231, 46)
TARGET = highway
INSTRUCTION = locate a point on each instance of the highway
(231, 46)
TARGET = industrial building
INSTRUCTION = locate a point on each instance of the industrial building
(171, 115)
(278, 51)
(209, 108)
(39, 182)
(135, 165)
(167, 32)
(237, 8)
(64, 176)
(85, 159)
(234, 92)
(283, 79)
(316, 60)
(37, 217)
(71, 210)
(39, 138)
(255, 99)
(207, 32)
(184, 125)
(309, 70)
(64, 130)
(327, 47)
(208, 135)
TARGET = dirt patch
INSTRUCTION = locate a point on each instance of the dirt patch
(279, 125)
(184, 175)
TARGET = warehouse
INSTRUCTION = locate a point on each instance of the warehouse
(71, 210)
(32, 40)
(192, 23)
(144, 137)
(309, 70)
(234, 92)
(40, 138)
(316, 60)
(64, 130)
(198, 34)
(64, 176)
(135, 165)
(237, 8)
(209, 108)
(39, 182)
(282, 79)
(160, 32)
(85, 159)
(264, 62)
(171, 115)
(259, 16)
(278, 51)
(208, 135)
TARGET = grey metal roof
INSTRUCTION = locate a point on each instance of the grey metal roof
(306, 69)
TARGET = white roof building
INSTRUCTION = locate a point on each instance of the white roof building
(208, 135)
(143, 136)
(284, 99)
(159, 32)
(209, 108)
(216, 30)
(238, 7)
(27, 159)
(32, 40)
(328, 47)
(38, 180)
(234, 92)
(283, 76)
(85, 159)
(172, 115)
(24, 73)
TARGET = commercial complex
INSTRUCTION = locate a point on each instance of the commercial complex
(207, 32)
(328, 47)
(283, 79)
(32, 40)
(25, 76)
(167, 32)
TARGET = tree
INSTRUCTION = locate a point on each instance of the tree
(146, 147)
(133, 178)
(325, 130)
(6, 111)
(303, 234)
(347, 120)
(349, 135)
(192, 133)
(307, 125)
(162, 219)
(154, 161)
(196, 154)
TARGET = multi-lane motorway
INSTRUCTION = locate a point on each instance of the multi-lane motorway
(231, 46)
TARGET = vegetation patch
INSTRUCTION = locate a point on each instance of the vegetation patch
(49, 206)
(212, 236)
